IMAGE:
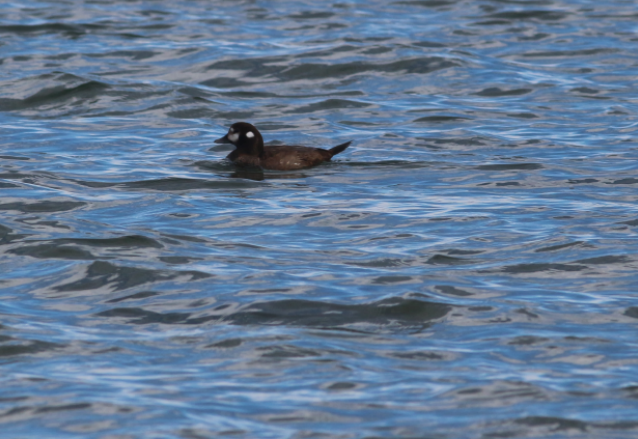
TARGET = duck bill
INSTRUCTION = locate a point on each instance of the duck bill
(223, 139)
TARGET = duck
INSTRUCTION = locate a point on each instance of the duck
(250, 151)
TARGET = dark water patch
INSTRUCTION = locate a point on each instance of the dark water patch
(400, 164)
(343, 48)
(311, 15)
(43, 224)
(528, 340)
(318, 27)
(458, 219)
(523, 115)
(42, 206)
(269, 290)
(632, 312)
(56, 95)
(11, 157)
(229, 170)
(527, 313)
(624, 181)
(495, 92)
(63, 407)
(186, 238)
(463, 252)
(8, 185)
(553, 424)
(248, 95)
(253, 67)
(130, 241)
(476, 141)
(585, 90)
(569, 53)
(631, 391)
(377, 50)
(453, 291)
(410, 66)
(66, 30)
(492, 23)
(7, 236)
(177, 260)
(33, 412)
(429, 44)
(100, 275)
(585, 340)
(287, 351)
(426, 3)
(531, 15)
(139, 316)
(95, 184)
(583, 181)
(395, 313)
(447, 260)
(11, 347)
(610, 259)
(226, 344)
(503, 391)
(440, 119)
(385, 280)
(511, 167)
(135, 55)
(70, 248)
(383, 263)
(52, 251)
(136, 296)
(224, 82)
(542, 268)
(207, 113)
(423, 356)
(554, 248)
(185, 184)
(342, 387)
(355, 123)
(330, 104)
(500, 184)
(480, 308)
(61, 56)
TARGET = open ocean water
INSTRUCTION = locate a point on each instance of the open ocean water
(466, 269)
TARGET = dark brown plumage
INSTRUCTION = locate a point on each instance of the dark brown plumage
(250, 151)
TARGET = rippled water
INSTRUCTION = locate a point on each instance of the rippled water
(467, 268)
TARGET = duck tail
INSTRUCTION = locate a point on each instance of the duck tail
(339, 148)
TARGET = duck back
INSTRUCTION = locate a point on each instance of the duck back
(286, 157)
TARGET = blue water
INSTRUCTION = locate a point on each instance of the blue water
(466, 269)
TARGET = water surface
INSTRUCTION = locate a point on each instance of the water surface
(467, 268)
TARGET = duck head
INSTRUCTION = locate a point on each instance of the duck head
(245, 137)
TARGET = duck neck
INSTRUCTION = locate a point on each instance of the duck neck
(254, 148)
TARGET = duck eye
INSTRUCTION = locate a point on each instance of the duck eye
(250, 134)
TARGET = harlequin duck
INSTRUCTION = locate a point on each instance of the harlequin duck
(250, 151)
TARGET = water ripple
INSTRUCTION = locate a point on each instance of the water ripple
(465, 269)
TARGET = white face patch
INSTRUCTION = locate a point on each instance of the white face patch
(231, 130)
(233, 137)
(250, 134)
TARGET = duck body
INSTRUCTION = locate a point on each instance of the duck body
(250, 151)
